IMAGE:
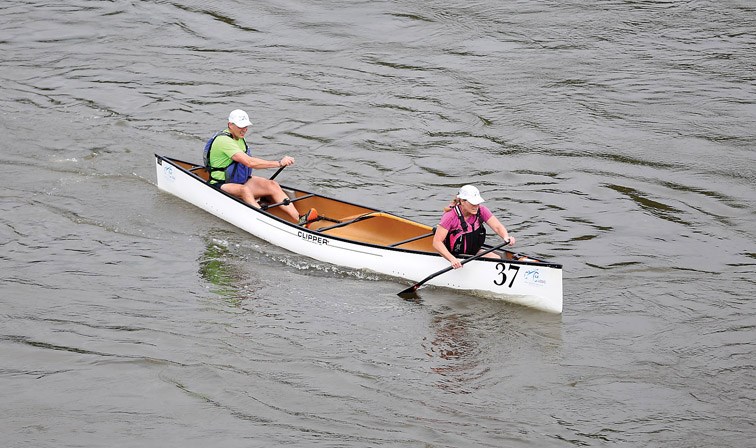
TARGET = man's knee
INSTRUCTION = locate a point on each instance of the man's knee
(270, 186)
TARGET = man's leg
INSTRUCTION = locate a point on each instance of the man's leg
(242, 192)
(265, 187)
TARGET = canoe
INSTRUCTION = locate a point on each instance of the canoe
(364, 238)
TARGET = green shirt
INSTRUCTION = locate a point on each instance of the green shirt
(224, 147)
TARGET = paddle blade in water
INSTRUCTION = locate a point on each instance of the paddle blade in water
(409, 293)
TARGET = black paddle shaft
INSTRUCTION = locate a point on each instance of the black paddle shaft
(277, 172)
(409, 292)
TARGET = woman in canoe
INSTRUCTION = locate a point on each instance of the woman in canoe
(461, 229)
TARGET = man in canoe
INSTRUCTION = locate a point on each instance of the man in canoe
(461, 229)
(230, 163)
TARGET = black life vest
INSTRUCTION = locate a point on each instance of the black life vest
(471, 240)
(235, 172)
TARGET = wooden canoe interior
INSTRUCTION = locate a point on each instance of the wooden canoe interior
(357, 223)
(362, 224)
(350, 221)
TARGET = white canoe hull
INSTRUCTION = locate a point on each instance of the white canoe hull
(537, 285)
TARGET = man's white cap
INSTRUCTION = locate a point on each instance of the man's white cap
(470, 194)
(239, 118)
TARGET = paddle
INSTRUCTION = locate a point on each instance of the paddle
(410, 292)
(277, 172)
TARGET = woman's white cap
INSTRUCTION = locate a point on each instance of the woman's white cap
(239, 118)
(470, 194)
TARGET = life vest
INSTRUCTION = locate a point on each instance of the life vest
(236, 173)
(469, 240)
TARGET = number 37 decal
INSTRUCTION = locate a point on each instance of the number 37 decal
(501, 277)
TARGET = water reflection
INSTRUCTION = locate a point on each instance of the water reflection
(454, 352)
(459, 347)
(216, 267)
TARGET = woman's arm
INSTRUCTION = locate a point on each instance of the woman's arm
(500, 230)
(438, 244)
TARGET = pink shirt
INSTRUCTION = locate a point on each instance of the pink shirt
(450, 221)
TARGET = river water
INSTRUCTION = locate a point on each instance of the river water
(614, 137)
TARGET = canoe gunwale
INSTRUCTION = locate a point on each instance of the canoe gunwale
(373, 212)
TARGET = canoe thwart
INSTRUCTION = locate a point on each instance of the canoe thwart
(414, 238)
(346, 223)
(286, 201)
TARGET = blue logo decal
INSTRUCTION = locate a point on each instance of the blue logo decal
(168, 172)
(533, 276)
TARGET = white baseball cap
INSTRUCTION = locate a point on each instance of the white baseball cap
(470, 194)
(239, 118)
